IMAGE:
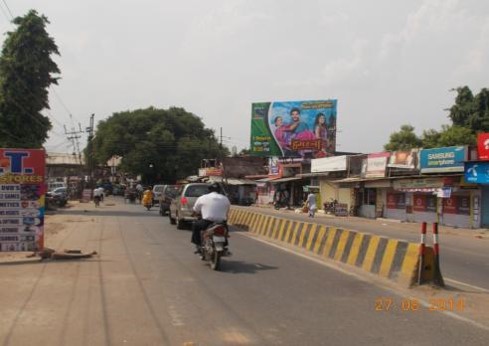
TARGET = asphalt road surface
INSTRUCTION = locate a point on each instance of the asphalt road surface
(146, 287)
(464, 254)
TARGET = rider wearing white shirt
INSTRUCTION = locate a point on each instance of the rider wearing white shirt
(214, 207)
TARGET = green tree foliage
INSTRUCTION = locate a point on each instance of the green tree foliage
(405, 139)
(455, 135)
(471, 111)
(26, 72)
(430, 139)
(162, 145)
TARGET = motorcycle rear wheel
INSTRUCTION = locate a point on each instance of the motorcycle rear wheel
(216, 261)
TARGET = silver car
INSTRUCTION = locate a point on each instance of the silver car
(181, 207)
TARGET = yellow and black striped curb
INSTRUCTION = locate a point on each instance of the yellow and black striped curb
(393, 259)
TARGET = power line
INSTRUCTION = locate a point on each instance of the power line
(6, 15)
(8, 8)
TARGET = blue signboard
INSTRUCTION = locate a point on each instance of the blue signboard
(477, 172)
(448, 159)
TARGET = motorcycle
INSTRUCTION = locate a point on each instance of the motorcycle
(330, 208)
(214, 241)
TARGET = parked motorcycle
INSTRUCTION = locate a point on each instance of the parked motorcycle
(330, 208)
(214, 241)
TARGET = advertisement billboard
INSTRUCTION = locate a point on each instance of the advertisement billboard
(477, 172)
(448, 159)
(376, 164)
(404, 159)
(22, 196)
(329, 164)
(304, 129)
(483, 146)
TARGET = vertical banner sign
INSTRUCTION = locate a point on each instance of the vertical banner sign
(304, 129)
(22, 197)
(483, 146)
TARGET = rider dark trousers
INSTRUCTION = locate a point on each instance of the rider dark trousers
(199, 226)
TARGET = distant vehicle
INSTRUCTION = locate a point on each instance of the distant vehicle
(181, 207)
(58, 196)
(157, 193)
(55, 185)
(169, 192)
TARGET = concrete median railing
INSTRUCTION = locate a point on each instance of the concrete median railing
(392, 259)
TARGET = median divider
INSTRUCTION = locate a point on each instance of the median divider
(393, 259)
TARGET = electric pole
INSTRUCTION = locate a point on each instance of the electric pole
(90, 150)
(73, 137)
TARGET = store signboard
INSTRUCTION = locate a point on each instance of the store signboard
(404, 159)
(22, 196)
(448, 159)
(376, 164)
(329, 164)
(424, 203)
(396, 201)
(483, 146)
(477, 172)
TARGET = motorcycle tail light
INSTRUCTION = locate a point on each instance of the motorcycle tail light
(183, 201)
(220, 231)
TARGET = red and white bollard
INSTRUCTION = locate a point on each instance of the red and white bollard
(422, 247)
(437, 277)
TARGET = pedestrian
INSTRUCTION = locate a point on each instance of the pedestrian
(311, 203)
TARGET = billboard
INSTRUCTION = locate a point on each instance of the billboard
(448, 159)
(304, 129)
(329, 164)
(404, 159)
(22, 190)
(483, 146)
(477, 172)
(376, 165)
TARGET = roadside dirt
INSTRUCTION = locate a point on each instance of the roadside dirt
(54, 230)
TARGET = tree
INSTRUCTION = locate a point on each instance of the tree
(405, 139)
(471, 111)
(455, 135)
(162, 145)
(26, 73)
(430, 138)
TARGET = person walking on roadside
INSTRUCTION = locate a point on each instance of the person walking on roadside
(311, 203)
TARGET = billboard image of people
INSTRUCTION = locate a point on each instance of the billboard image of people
(304, 129)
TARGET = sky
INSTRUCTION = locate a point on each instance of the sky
(387, 62)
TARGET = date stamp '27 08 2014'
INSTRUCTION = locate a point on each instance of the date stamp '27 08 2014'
(386, 304)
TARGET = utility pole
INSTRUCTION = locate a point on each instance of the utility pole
(90, 150)
(74, 136)
(220, 138)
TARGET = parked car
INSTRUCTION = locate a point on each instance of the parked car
(181, 207)
(157, 192)
(169, 192)
(58, 196)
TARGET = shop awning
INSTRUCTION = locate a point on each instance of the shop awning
(233, 181)
(283, 180)
(313, 175)
(265, 180)
(419, 189)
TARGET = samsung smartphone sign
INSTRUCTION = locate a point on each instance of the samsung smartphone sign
(448, 159)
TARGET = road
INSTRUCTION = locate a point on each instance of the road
(464, 254)
(146, 287)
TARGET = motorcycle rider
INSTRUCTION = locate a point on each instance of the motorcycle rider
(148, 197)
(214, 207)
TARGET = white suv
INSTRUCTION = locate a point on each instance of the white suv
(157, 191)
